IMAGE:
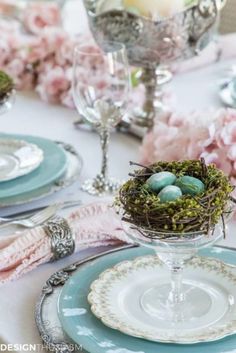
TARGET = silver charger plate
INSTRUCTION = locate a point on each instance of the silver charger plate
(74, 167)
(18, 158)
(46, 310)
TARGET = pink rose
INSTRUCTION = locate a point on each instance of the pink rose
(53, 84)
(64, 52)
(36, 51)
(67, 99)
(38, 15)
(15, 67)
(5, 51)
(54, 38)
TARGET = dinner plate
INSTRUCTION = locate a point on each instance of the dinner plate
(82, 328)
(71, 175)
(117, 298)
(18, 158)
(70, 163)
(50, 170)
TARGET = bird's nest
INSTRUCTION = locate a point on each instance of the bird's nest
(142, 207)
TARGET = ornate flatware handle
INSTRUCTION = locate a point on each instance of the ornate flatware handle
(62, 239)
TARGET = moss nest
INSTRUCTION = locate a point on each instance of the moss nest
(6, 85)
(142, 207)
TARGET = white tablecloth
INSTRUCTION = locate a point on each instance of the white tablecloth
(194, 90)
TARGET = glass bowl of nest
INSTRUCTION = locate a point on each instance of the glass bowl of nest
(176, 208)
(7, 92)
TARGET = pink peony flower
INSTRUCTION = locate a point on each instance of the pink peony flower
(38, 15)
(232, 153)
(228, 133)
(219, 158)
(176, 138)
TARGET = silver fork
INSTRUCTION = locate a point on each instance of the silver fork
(37, 219)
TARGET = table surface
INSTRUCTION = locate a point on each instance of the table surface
(194, 90)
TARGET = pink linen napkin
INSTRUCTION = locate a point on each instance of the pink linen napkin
(92, 225)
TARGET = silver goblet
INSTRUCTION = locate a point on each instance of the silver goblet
(179, 37)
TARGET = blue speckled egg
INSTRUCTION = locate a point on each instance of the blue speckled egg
(190, 185)
(170, 193)
(158, 181)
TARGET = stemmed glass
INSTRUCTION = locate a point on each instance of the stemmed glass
(101, 83)
(180, 300)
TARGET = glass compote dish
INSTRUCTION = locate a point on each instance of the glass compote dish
(101, 84)
(200, 223)
(179, 300)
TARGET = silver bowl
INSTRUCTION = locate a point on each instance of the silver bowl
(152, 44)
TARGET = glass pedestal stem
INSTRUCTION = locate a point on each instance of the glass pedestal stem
(176, 294)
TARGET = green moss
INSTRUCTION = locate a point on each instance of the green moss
(6, 84)
(189, 213)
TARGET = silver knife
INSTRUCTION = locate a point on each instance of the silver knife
(66, 204)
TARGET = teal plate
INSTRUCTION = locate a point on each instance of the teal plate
(50, 170)
(85, 330)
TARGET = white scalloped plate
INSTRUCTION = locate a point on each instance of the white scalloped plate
(18, 158)
(115, 300)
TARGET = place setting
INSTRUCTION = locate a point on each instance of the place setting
(32, 167)
(162, 292)
(134, 259)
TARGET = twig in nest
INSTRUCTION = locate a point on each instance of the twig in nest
(142, 166)
(223, 223)
(204, 168)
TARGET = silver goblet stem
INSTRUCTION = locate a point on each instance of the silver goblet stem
(104, 136)
(101, 183)
(153, 79)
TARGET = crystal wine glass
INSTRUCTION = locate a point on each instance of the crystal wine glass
(101, 83)
(177, 300)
